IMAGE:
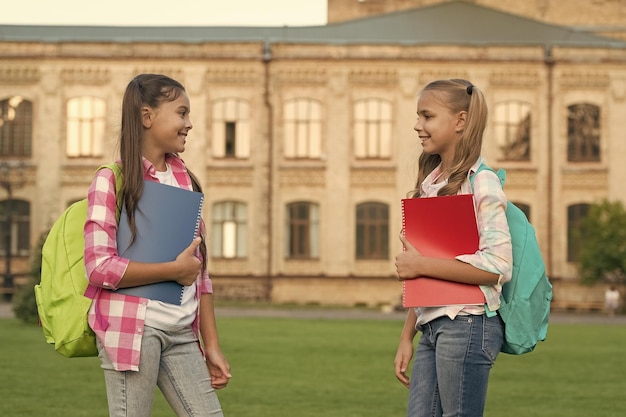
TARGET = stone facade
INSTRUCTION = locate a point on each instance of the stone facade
(50, 73)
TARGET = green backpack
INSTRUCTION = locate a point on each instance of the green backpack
(525, 300)
(61, 303)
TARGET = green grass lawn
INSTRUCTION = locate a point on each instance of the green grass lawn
(331, 368)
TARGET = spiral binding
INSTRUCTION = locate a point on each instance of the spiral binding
(199, 215)
(403, 234)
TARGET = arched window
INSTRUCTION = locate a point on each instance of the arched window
(372, 231)
(15, 219)
(303, 226)
(16, 127)
(372, 128)
(303, 128)
(512, 121)
(86, 122)
(575, 214)
(229, 230)
(231, 128)
(583, 133)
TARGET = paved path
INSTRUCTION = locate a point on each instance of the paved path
(6, 311)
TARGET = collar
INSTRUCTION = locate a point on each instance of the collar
(474, 167)
(174, 160)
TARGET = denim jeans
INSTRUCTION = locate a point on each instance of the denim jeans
(173, 362)
(451, 366)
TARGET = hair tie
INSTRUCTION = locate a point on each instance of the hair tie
(470, 88)
(138, 83)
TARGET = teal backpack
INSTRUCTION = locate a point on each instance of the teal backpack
(61, 303)
(525, 300)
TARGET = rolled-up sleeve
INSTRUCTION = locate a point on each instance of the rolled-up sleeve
(104, 267)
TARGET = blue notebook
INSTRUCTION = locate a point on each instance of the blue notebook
(167, 220)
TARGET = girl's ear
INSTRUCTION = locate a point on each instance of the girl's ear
(146, 117)
(460, 121)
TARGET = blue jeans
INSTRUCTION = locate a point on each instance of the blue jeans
(451, 366)
(173, 362)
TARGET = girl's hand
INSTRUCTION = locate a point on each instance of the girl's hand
(188, 265)
(402, 360)
(219, 369)
(408, 262)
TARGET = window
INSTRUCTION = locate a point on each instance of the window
(15, 219)
(85, 126)
(303, 230)
(575, 214)
(231, 128)
(16, 127)
(372, 128)
(372, 231)
(512, 130)
(229, 230)
(583, 133)
(303, 129)
(230, 135)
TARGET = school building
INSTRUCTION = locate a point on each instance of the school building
(303, 137)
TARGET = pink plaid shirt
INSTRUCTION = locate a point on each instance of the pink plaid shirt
(118, 319)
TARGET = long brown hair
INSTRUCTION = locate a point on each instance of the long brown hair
(457, 95)
(144, 90)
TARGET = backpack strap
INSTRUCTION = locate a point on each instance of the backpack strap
(500, 173)
(117, 173)
(502, 176)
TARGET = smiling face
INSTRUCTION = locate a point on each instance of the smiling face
(166, 127)
(438, 127)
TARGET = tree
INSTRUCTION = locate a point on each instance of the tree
(603, 244)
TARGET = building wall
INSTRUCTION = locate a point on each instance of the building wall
(336, 75)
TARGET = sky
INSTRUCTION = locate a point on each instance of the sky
(165, 12)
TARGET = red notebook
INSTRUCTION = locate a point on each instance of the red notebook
(440, 227)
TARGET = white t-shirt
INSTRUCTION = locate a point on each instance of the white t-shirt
(167, 316)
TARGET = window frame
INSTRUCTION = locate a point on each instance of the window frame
(20, 227)
(582, 145)
(16, 127)
(303, 239)
(302, 128)
(372, 232)
(85, 126)
(512, 124)
(372, 128)
(230, 128)
(231, 215)
(575, 215)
